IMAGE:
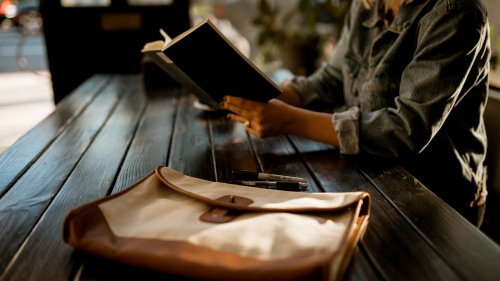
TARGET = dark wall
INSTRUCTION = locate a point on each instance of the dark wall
(81, 41)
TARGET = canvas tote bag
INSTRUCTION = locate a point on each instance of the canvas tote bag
(199, 229)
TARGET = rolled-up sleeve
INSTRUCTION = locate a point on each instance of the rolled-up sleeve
(346, 125)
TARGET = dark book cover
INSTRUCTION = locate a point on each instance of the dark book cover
(205, 56)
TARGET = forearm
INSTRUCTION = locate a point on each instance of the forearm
(313, 125)
(290, 96)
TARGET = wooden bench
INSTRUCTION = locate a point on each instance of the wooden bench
(111, 131)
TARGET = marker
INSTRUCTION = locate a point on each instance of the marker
(280, 185)
(254, 176)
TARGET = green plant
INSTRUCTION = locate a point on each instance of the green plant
(299, 23)
(305, 27)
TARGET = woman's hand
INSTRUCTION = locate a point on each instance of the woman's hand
(260, 119)
(277, 118)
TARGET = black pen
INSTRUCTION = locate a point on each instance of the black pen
(255, 176)
(280, 185)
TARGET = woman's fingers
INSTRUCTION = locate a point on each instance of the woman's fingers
(237, 118)
(241, 111)
(239, 106)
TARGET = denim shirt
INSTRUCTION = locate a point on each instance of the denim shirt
(414, 89)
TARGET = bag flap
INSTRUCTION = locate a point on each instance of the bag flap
(244, 198)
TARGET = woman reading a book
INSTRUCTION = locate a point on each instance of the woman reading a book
(412, 77)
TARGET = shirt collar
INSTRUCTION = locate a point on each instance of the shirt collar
(378, 15)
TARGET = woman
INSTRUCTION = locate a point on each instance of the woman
(413, 77)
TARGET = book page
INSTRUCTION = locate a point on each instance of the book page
(182, 35)
(167, 38)
(153, 46)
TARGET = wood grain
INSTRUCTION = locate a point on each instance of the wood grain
(111, 132)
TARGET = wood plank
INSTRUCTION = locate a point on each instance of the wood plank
(328, 166)
(277, 155)
(231, 147)
(24, 203)
(446, 231)
(151, 144)
(361, 268)
(398, 257)
(44, 252)
(17, 159)
(190, 151)
(399, 251)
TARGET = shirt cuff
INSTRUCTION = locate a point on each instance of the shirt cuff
(346, 125)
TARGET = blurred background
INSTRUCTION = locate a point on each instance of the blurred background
(25, 86)
(75, 38)
(49, 47)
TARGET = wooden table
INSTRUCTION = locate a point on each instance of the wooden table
(110, 132)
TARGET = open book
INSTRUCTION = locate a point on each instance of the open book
(204, 61)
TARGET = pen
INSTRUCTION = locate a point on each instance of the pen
(247, 175)
(280, 185)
